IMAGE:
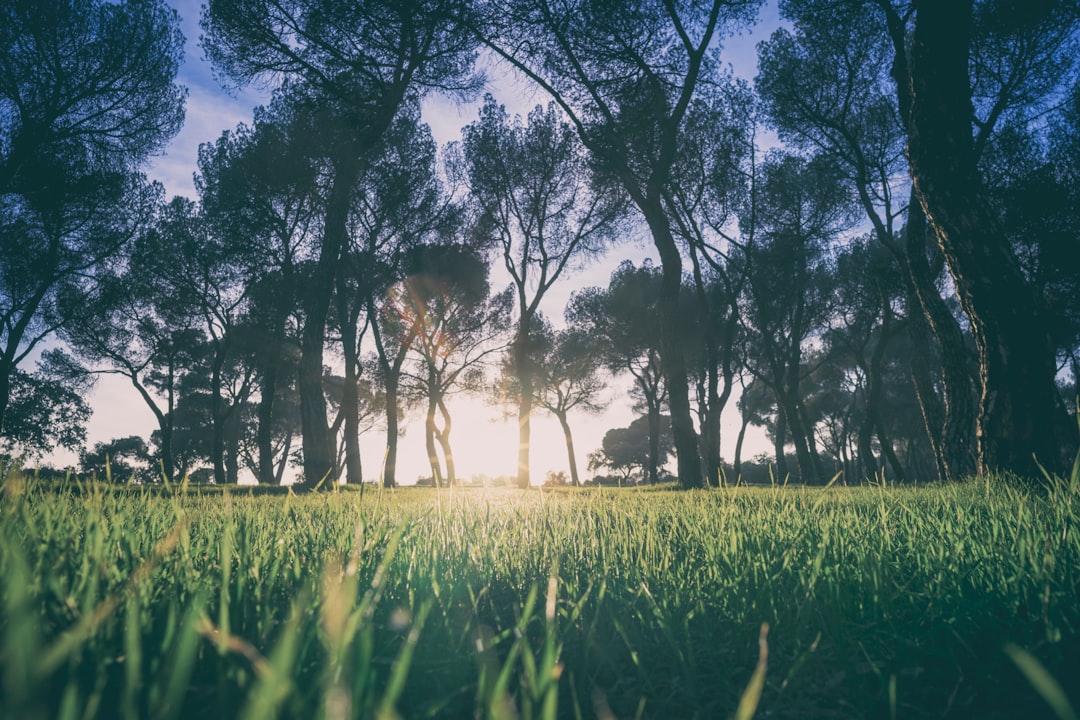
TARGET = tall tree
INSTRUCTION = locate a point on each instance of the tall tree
(134, 325)
(787, 299)
(1019, 415)
(87, 93)
(460, 328)
(961, 71)
(826, 88)
(401, 203)
(530, 182)
(626, 73)
(357, 63)
(569, 381)
(259, 193)
(624, 322)
(712, 180)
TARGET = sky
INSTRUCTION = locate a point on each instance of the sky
(484, 441)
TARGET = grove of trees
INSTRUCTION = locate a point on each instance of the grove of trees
(889, 286)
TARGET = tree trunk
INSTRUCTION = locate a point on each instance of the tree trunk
(675, 374)
(930, 406)
(320, 457)
(792, 418)
(443, 436)
(350, 392)
(217, 419)
(232, 446)
(429, 444)
(574, 479)
(1016, 360)
(390, 462)
(525, 400)
(6, 369)
(350, 400)
(652, 404)
(780, 445)
(264, 434)
(956, 433)
(737, 465)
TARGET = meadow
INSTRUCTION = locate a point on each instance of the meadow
(956, 600)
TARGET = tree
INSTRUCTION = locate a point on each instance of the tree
(355, 65)
(402, 204)
(530, 182)
(868, 286)
(787, 297)
(134, 324)
(1019, 409)
(825, 87)
(712, 180)
(459, 325)
(569, 380)
(624, 322)
(626, 75)
(624, 449)
(87, 93)
(962, 71)
(121, 459)
(259, 193)
(45, 410)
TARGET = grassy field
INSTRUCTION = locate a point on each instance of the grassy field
(955, 601)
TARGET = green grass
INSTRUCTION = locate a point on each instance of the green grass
(955, 600)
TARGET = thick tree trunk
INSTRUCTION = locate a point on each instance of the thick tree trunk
(320, 456)
(675, 373)
(956, 434)
(1016, 362)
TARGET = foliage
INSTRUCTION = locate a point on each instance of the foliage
(87, 93)
(43, 413)
(184, 602)
(627, 449)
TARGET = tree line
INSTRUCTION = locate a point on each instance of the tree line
(890, 290)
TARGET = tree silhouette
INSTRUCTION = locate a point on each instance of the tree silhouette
(626, 76)
(87, 93)
(530, 183)
(355, 65)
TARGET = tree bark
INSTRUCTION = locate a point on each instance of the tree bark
(1016, 360)
(955, 435)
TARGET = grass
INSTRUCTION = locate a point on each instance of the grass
(954, 600)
